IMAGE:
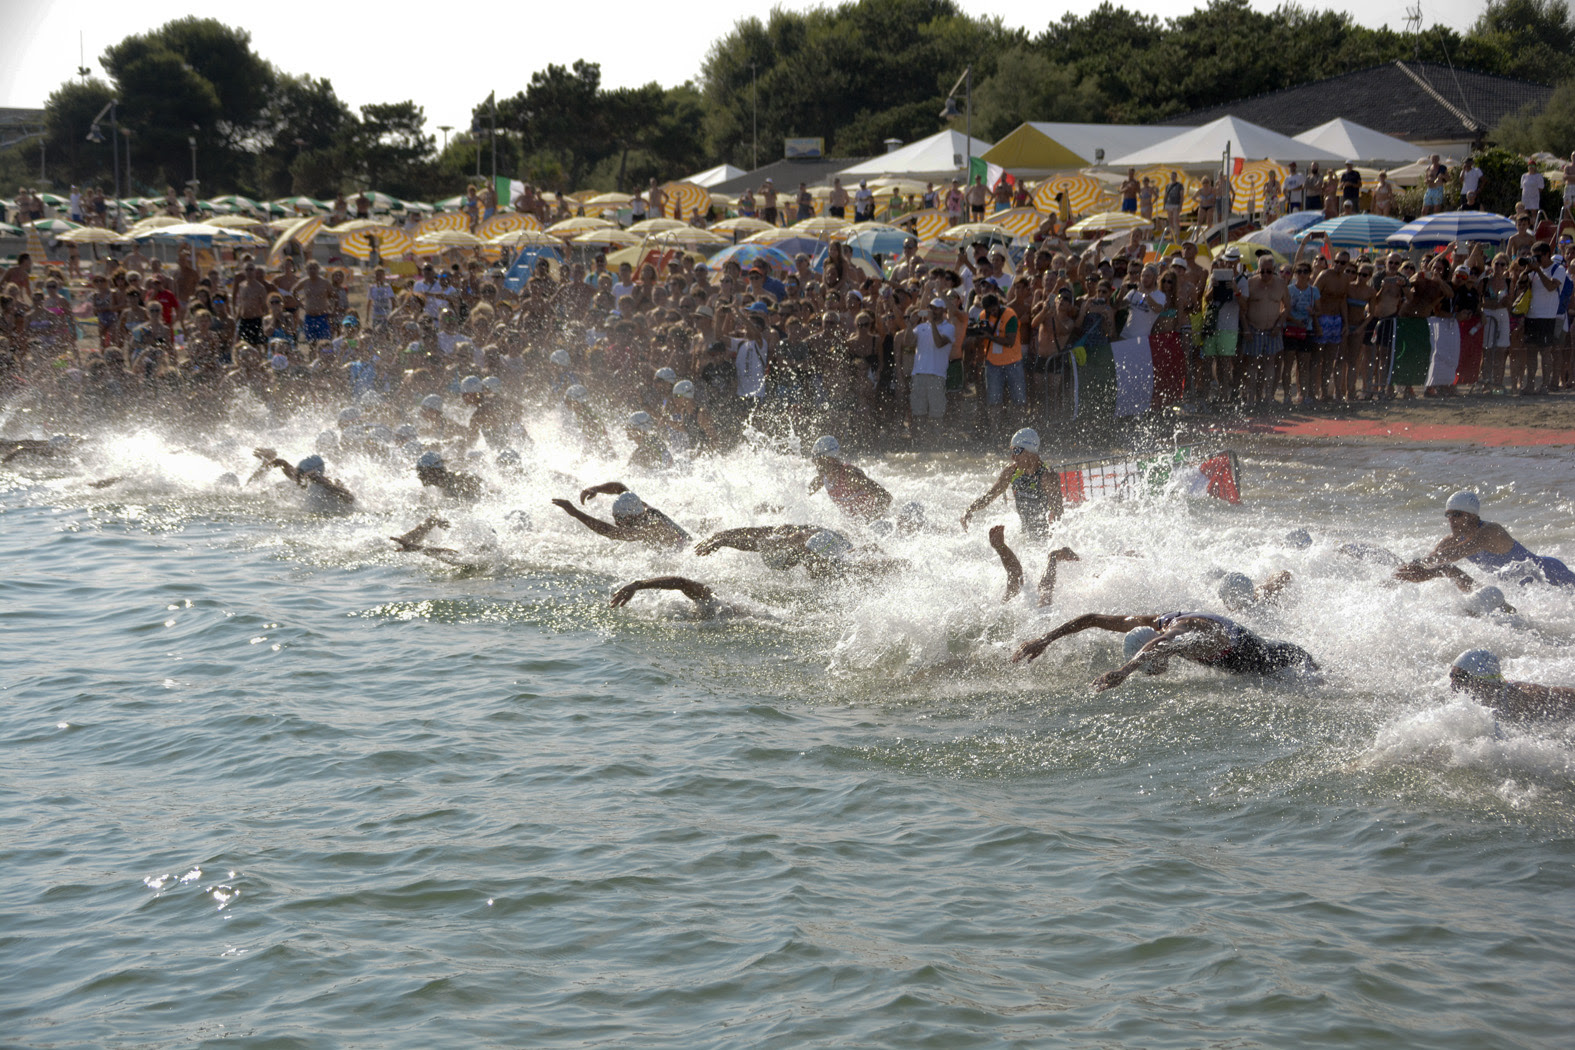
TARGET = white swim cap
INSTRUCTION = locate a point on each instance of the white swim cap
(667, 375)
(826, 446)
(1135, 639)
(828, 544)
(577, 392)
(1464, 501)
(684, 388)
(1479, 663)
(429, 461)
(508, 458)
(560, 358)
(470, 385)
(407, 432)
(380, 433)
(628, 505)
(279, 362)
(351, 414)
(1026, 439)
(1487, 599)
(1299, 539)
(432, 403)
(310, 465)
(518, 520)
(491, 384)
(640, 420)
(228, 480)
(1235, 590)
(326, 440)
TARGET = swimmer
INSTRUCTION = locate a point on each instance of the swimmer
(849, 487)
(324, 494)
(633, 521)
(1477, 673)
(1237, 593)
(1212, 641)
(454, 484)
(410, 542)
(1014, 568)
(1036, 488)
(42, 447)
(650, 449)
(822, 552)
(706, 605)
(1489, 546)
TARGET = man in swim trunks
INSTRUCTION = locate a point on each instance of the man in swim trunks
(1333, 286)
(849, 487)
(1478, 674)
(633, 521)
(250, 292)
(1203, 638)
(315, 294)
(1035, 488)
(1489, 546)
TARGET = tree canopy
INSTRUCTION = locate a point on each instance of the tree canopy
(854, 74)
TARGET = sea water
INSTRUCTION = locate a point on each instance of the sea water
(265, 782)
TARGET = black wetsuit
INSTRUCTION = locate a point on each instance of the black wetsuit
(1245, 652)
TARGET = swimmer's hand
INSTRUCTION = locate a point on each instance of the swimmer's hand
(1064, 554)
(1109, 680)
(622, 595)
(1031, 651)
(710, 546)
(963, 521)
(267, 455)
(565, 504)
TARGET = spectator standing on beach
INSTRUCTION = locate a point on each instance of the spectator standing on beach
(837, 199)
(1351, 186)
(1532, 183)
(863, 203)
(768, 202)
(1147, 193)
(1568, 211)
(1295, 190)
(954, 204)
(1129, 192)
(1470, 185)
(1542, 320)
(1175, 196)
(977, 197)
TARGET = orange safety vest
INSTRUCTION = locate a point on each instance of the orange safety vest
(997, 354)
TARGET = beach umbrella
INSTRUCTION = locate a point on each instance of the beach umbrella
(1251, 249)
(691, 236)
(886, 242)
(356, 224)
(579, 224)
(1107, 222)
(8, 230)
(87, 235)
(506, 222)
(787, 242)
(743, 224)
(54, 200)
(723, 200)
(419, 207)
(1022, 223)
(607, 238)
(902, 186)
(1084, 194)
(645, 226)
(1246, 186)
(820, 226)
(975, 231)
(300, 205)
(1295, 222)
(515, 238)
(1353, 231)
(1445, 227)
(860, 259)
(746, 255)
(383, 201)
(606, 202)
(192, 231)
(392, 242)
(1277, 241)
(447, 221)
(450, 203)
(692, 199)
(449, 239)
(234, 222)
(926, 225)
(52, 225)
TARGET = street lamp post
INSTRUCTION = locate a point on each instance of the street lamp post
(950, 110)
(191, 140)
(445, 129)
(95, 135)
(754, 117)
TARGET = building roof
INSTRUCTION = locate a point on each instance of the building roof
(1363, 145)
(1040, 146)
(1415, 101)
(714, 176)
(787, 174)
(1207, 145)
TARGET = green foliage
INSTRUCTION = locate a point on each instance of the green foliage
(1530, 39)
(1551, 128)
(68, 116)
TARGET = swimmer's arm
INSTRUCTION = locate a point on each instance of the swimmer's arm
(104, 483)
(1047, 581)
(1418, 572)
(694, 590)
(1009, 562)
(606, 488)
(985, 500)
(745, 539)
(1155, 656)
(1078, 624)
(337, 489)
(413, 538)
(1273, 585)
(601, 528)
(814, 485)
(1526, 700)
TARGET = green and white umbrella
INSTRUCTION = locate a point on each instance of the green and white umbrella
(54, 225)
(235, 202)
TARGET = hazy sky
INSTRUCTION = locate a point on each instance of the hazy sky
(374, 53)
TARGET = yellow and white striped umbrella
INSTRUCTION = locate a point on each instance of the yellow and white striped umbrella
(742, 224)
(1021, 221)
(351, 226)
(392, 242)
(234, 222)
(689, 197)
(91, 235)
(581, 196)
(971, 230)
(606, 202)
(1247, 186)
(578, 225)
(903, 186)
(506, 222)
(1083, 192)
(443, 239)
(517, 238)
(645, 226)
(722, 201)
(612, 237)
(299, 231)
(927, 225)
(1160, 177)
(1107, 222)
(453, 220)
(691, 236)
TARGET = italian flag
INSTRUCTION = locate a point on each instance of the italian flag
(1436, 351)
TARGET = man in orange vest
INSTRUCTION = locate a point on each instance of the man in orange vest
(1003, 356)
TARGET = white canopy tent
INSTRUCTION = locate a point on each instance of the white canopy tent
(941, 156)
(714, 176)
(1363, 145)
(1207, 145)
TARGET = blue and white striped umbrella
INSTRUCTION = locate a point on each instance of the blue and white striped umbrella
(1355, 231)
(1433, 231)
(1295, 222)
